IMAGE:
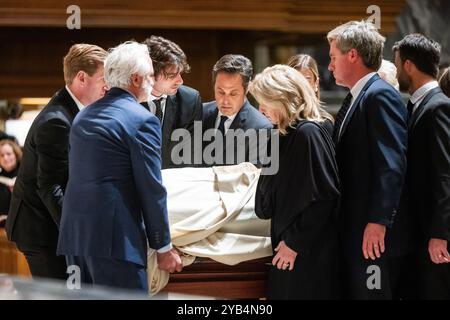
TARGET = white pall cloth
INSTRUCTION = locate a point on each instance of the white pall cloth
(211, 214)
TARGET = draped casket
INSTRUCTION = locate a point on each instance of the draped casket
(225, 247)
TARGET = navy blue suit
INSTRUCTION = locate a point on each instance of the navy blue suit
(371, 157)
(248, 117)
(115, 200)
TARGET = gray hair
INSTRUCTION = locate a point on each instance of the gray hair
(125, 60)
(362, 36)
(234, 63)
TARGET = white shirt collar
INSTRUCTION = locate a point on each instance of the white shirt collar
(152, 97)
(77, 102)
(357, 88)
(229, 117)
(152, 106)
(420, 93)
(355, 91)
(227, 123)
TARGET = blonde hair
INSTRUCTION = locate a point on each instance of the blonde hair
(286, 90)
(82, 57)
(388, 72)
(305, 61)
(16, 148)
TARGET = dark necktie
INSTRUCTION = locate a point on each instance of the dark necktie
(410, 108)
(158, 111)
(221, 127)
(220, 131)
(340, 117)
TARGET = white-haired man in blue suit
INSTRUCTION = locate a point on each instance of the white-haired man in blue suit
(115, 201)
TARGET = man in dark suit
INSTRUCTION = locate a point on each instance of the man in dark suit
(231, 114)
(370, 135)
(35, 210)
(115, 201)
(428, 174)
(175, 105)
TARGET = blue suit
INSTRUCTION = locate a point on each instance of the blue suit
(247, 118)
(371, 157)
(115, 201)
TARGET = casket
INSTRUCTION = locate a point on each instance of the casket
(213, 223)
(206, 277)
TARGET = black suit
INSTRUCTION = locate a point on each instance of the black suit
(181, 110)
(428, 181)
(248, 117)
(36, 203)
(371, 157)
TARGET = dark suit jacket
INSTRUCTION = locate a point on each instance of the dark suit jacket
(37, 198)
(247, 118)
(428, 175)
(5, 193)
(371, 157)
(115, 201)
(182, 109)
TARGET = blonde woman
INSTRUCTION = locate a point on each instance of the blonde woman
(302, 197)
(307, 66)
(10, 157)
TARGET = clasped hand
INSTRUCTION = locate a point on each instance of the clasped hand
(285, 257)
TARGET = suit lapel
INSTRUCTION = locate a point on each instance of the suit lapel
(210, 121)
(241, 117)
(421, 108)
(170, 114)
(356, 103)
(68, 103)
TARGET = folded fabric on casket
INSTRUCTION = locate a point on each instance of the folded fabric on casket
(211, 214)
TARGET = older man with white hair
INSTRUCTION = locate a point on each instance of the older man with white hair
(115, 201)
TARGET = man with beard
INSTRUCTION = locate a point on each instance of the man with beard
(115, 201)
(428, 174)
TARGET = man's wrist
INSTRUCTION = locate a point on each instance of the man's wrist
(165, 248)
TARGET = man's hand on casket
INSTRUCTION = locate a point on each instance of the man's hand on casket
(285, 257)
(169, 261)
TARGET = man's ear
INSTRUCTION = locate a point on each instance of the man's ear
(353, 55)
(135, 80)
(81, 77)
(409, 67)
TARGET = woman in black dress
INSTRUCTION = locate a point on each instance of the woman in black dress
(302, 197)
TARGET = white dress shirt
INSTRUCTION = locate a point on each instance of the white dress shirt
(355, 91)
(227, 123)
(163, 105)
(78, 103)
(418, 95)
